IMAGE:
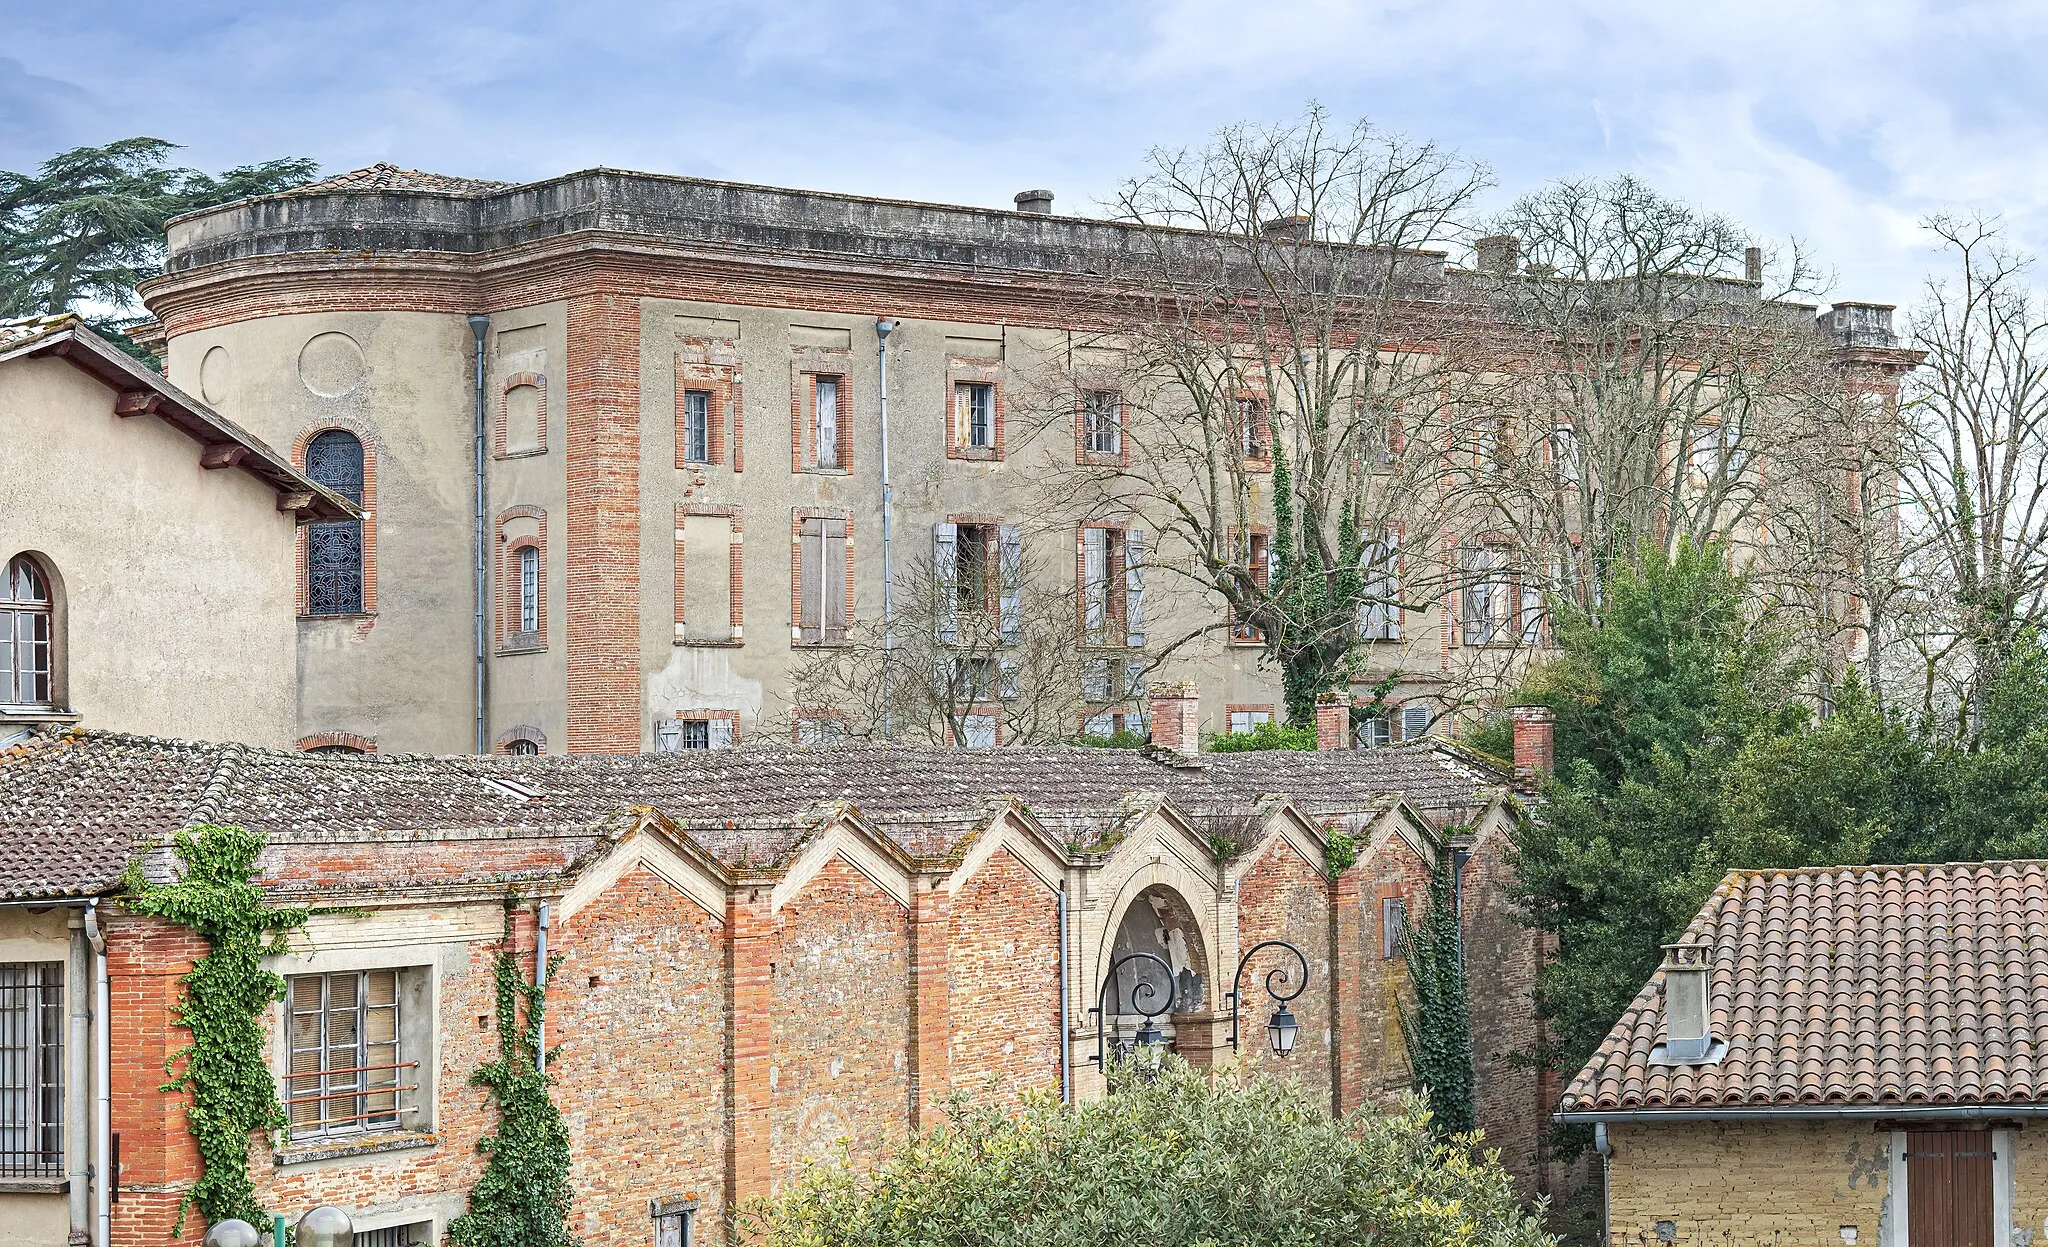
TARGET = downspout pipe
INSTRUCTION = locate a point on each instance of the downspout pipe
(102, 1078)
(478, 324)
(540, 985)
(78, 996)
(1066, 1037)
(883, 328)
(1606, 1151)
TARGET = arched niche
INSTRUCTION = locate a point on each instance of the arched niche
(1158, 920)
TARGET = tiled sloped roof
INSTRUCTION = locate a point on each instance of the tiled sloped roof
(1430, 775)
(1870, 986)
(388, 177)
(76, 807)
(21, 329)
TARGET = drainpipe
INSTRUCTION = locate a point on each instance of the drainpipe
(1606, 1150)
(540, 985)
(1066, 1039)
(883, 328)
(78, 1080)
(477, 325)
(102, 1077)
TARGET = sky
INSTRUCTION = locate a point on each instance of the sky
(1838, 124)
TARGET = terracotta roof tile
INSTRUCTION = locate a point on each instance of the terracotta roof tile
(1852, 986)
(388, 177)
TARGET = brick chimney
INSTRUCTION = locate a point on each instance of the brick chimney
(1499, 253)
(1688, 1013)
(1177, 717)
(1535, 747)
(1333, 722)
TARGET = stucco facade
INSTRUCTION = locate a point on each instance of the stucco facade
(170, 581)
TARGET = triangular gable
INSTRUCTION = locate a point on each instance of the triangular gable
(1028, 841)
(1284, 821)
(666, 851)
(848, 835)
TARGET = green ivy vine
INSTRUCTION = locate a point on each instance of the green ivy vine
(522, 1199)
(1340, 853)
(222, 1004)
(1438, 1030)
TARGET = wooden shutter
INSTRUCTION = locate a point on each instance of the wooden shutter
(811, 592)
(834, 583)
(719, 733)
(1134, 588)
(1010, 584)
(945, 583)
(1948, 1188)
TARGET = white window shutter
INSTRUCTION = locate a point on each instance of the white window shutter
(1414, 722)
(1095, 584)
(1010, 577)
(721, 733)
(945, 583)
(1095, 681)
(1007, 673)
(668, 736)
(1134, 678)
(811, 581)
(1134, 588)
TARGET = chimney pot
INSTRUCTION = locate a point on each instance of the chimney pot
(1177, 717)
(1688, 1035)
(1535, 744)
(1753, 264)
(1333, 722)
(1499, 253)
(1038, 203)
(1289, 228)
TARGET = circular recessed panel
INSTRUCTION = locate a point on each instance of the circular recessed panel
(216, 374)
(331, 365)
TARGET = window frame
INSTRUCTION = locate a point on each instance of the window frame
(39, 615)
(529, 589)
(363, 492)
(977, 412)
(1093, 424)
(37, 1004)
(1393, 917)
(696, 447)
(719, 729)
(366, 1120)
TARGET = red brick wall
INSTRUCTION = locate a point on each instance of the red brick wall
(1005, 972)
(841, 978)
(603, 524)
(1395, 870)
(638, 1007)
(145, 959)
(1501, 963)
(1284, 898)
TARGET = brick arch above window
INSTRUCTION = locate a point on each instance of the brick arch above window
(522, 423)
(336, 743)
(510, 740)
(521, 603)
(368, 501)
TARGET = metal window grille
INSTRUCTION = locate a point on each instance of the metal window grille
(345, 1056)
(697, 426)
(523, 749)
(828, 422)
(24, 634)
(31, 1069)
(334, 550)
(529, 589)
(419, 1234)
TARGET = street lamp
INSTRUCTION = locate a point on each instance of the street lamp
(1149, 1035)
(1283, 1028)
(324, 1226)
(232, 1233)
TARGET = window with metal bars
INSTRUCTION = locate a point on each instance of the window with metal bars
(334, 549)
(348, 1072)
(529, 589)
(31, 1069)
(419, 1234)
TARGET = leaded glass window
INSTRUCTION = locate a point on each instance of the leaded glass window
(334, 549)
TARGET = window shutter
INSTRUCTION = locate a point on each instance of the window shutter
(1007, 681)
(1010, 575)
(1134, 588)
(811, 615)
(721, 733)
(945, 584)
(1134, 677)
(1095, 593)
(668, 736)
(1414, 722)
(1532, 614)
(832, 605)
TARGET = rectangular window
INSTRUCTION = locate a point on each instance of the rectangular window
(1375, 732)
(828, 422)
(821, 618)
(1242, 721)
(974, 408)
(974, 564)
(820, 730)
(1393, 920)
(1488, 609)
(1103, 422)
(697, 426)
(31, 1069)
(1258, 550)
(700, 730)
(418, 1234)
(1564, 453)
(1414, 722)
(1254, 429)
(345, 1057)
(529, 589)
(978, 731)
(1379, 615)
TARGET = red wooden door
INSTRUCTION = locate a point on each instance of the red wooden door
(1948, 1188)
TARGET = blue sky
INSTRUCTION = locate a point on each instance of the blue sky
(1839, 123)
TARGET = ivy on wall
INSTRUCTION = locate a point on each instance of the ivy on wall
(522, 1199)
(1438, 1030)
(222, 1004)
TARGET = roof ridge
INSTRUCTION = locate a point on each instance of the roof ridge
(225, 766)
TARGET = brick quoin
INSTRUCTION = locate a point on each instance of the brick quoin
(750, 958)
(603, 524)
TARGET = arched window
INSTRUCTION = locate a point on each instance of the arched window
(529, 589)
(26, 628)
(334, 549)
(523, 749)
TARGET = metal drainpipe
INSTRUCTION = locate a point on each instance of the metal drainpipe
(540, 984)
(477, 325)
(883, 328)
(78, 1078)
(102, 1076)
(1066, 1039)
(1606, 1151)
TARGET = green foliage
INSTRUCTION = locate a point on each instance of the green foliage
(88, 225)
(1340, 853)
(1495, 738)
(1685, 751)
(1315, 642)
(522, 1199)
(1175, 1160)
(1438, 1029)
(222, 1004)
(1267, 735)
(1121, 739)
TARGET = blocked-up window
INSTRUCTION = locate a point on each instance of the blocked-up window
(348, 1070)
(524, 405)
(709, 549)
(1393, 923)
(822, 590)
(31, 1068)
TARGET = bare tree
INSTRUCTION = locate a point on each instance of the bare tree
(984, 655)
(1263, 380)
(1975, 417)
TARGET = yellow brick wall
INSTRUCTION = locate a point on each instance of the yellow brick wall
(1793, 1184)
(2030, 1183)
